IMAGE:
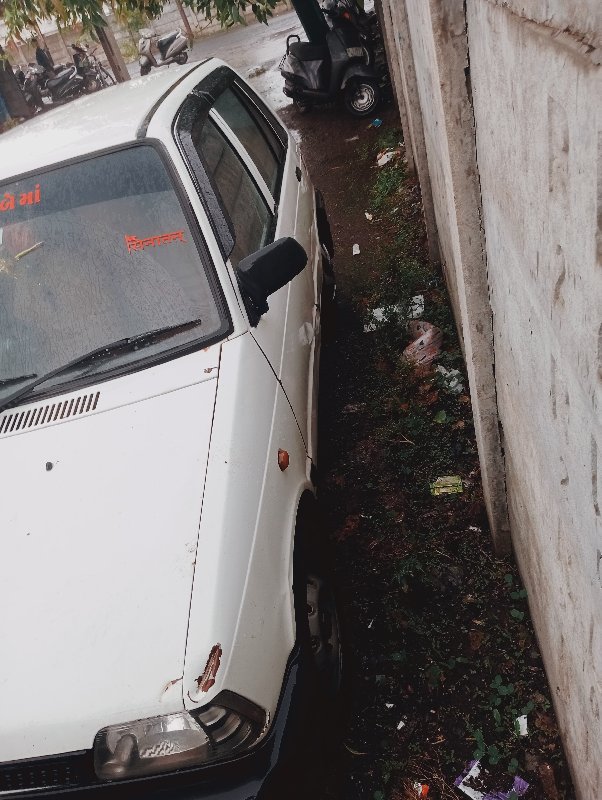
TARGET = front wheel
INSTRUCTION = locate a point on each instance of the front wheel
(182, 58)
(91, 84)
(362, 97)
(324, 634)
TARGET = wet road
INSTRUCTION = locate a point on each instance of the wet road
(254, 50)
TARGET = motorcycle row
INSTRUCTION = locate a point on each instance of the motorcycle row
(350, 61)
(44, 87)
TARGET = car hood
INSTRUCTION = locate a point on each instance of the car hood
(98, 523)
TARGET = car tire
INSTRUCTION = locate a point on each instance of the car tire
(182, 58)
(324, 632)
(316, 607)
(362, 97)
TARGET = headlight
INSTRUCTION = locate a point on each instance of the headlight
(227, 727)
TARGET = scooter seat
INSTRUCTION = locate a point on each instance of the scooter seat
(309, 52)
(60, 78)
(164, 42)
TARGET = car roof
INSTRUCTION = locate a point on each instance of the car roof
(108, 118)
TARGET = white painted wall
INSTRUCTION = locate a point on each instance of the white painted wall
(509, 97)
(508, 94)
(537, 110)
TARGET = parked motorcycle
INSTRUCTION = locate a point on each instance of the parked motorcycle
(158, 52)
(28, 80)
(90, 68)
(64, 85)
(351, 61)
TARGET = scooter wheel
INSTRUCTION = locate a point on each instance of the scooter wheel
(362, 97)
(182, 58)
(302, 107)
(145, 69)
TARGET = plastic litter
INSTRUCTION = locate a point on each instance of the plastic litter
(356, 250)
(415, 309)
(376, 123)
(379, 315)
(426, 344)
(451, 379)
(447, 484)
(421, 789)
(386, 156)
(352, 139)
(521, 726)
(369, 216)
(466, 781)
(389, 705)
(401, 724)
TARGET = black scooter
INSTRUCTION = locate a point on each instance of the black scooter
(316, 74)
(65, 85)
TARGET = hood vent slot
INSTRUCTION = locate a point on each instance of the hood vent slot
(43, 415)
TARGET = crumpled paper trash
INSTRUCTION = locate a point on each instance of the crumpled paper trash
(426, 345)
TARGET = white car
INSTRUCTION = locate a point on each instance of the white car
(162, 260)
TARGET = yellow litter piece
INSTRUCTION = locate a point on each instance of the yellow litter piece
(447, 484)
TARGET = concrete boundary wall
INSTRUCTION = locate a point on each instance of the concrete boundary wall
(430, 39)
(397, 39)
(502, 110)
(539, 165)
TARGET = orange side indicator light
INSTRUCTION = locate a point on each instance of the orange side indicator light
(283, 460)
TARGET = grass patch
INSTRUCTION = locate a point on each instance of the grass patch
(442, 629)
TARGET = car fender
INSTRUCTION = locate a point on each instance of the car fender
(242, 608)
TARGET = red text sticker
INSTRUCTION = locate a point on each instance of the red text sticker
(133, 243)
(10, 201)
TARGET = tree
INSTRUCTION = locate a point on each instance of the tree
(10, 91)
(21, 14)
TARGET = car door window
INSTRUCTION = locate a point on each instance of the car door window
(255, 135)
(251, 218)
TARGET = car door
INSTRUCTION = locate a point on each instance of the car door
(287, 333)
(253, 169)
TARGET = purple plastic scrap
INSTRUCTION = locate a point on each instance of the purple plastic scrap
(519, 786)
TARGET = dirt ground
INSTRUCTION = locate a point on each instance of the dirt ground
(442, 657)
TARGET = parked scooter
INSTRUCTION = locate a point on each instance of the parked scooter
(348, 62)
(64, 85)
(51, 89)
(169, 49)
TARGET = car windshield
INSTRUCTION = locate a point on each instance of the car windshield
(93, 253)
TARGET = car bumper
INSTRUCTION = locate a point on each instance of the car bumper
(266, 773)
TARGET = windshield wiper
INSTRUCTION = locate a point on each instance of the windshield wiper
(18, 379)
(99, 354)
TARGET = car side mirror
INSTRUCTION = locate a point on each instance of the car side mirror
(269, 269)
